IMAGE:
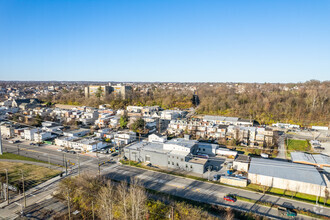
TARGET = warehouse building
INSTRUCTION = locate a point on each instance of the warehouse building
(288, 176)
(319, 160)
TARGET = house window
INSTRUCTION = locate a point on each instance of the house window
(181, 159)
(172, 163)
(169, 162)
(191, 166)
(203, 149)
(177, 164)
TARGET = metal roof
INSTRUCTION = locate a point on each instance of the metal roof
(315, 159)
(286, 170)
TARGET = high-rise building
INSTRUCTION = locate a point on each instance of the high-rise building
(92, 90)
(118, 89)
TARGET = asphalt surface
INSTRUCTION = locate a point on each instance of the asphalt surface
(281, 147)
(179, 186)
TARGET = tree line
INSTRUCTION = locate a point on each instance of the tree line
(301, 103)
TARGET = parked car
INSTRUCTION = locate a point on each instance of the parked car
(114, 154)
(59, 150)
(72, 152)
(32, 144)
(230, 198)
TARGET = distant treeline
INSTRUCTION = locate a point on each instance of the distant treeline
(304, 103)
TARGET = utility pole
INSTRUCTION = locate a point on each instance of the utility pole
(66, 168)
(48, 160)
(23, 189)
(99, 169)
(69, 205)
(93, 209)
(7, 190)
(63, 159)
(78, 163)
(18, 149)
(1, 151)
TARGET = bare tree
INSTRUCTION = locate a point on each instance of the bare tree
(123, 197)
(138, 199)
(106, 202)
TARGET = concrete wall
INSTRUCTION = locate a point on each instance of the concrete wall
(233, 181)
(290, 185)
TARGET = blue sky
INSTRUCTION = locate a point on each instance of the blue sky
(165, 40)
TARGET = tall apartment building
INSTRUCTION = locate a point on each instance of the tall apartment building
(91, 90)
(118, 89)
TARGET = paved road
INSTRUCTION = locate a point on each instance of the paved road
(281, 147)
(187, 188)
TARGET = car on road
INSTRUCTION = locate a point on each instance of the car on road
(114, 154)
(283, 211)
(229, 198)
(32, 144)
(216, 177)
(72, 152)
(59, 150)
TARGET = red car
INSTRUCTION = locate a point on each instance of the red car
(229, 198)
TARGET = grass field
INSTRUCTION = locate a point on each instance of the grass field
(33, 174)
(297, 145)
(11, 156)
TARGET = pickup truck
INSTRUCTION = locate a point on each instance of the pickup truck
(282, 211)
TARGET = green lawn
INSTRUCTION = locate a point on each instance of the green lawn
(289, 194)
(11, 156)
(297, 145)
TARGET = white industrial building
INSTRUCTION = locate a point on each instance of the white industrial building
(288, 176)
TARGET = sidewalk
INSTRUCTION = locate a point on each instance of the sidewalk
(43, 185)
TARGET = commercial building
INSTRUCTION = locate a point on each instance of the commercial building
(80, 143)
(288, 176)
(174, 154)
(76, 133)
